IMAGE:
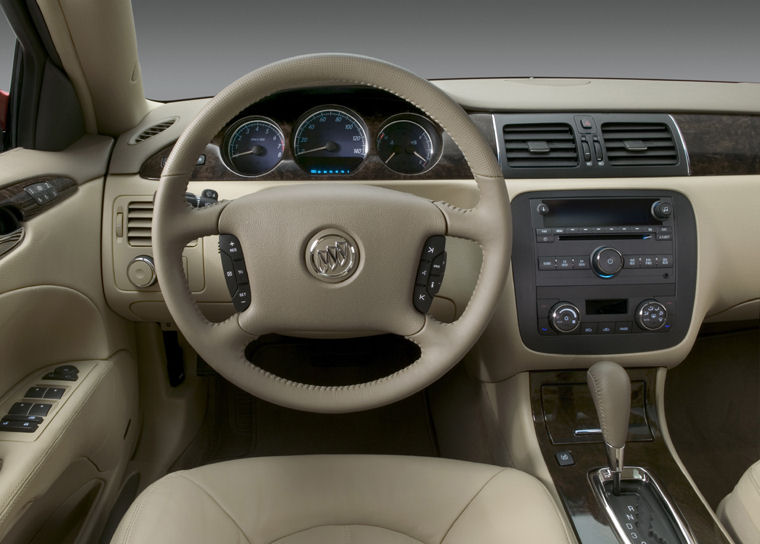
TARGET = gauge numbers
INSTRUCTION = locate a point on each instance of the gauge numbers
(254, 146)
(330, 140)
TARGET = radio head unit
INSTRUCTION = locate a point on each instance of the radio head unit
(603, 271)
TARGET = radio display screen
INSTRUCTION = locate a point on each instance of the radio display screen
(599, 212)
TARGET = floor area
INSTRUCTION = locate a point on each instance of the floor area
(712, 403)
(239, 425)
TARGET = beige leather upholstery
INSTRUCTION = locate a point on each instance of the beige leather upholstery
(740, 510)
(344, 499)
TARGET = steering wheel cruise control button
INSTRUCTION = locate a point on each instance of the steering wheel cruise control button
(235, 273)
(429, 273)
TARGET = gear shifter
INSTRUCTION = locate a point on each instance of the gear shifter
(611, 391)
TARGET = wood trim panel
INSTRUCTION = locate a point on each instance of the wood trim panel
(721, 145)
(21, 203)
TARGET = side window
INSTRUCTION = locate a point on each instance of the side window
(7, 48)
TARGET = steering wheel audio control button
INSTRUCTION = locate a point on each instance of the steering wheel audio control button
(429, 273)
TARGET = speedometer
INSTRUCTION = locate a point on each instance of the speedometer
(330, 140)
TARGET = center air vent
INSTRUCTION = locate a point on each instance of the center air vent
(152, 131)
(544, 145)
(139, 218)
(639, 144)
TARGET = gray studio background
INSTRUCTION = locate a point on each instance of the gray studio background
(192, 48)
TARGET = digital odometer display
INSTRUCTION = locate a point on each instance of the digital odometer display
(330, 141)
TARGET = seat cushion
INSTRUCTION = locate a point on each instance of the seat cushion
(342, 499)
(740, 510)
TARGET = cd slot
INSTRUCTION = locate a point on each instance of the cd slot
(605, 236)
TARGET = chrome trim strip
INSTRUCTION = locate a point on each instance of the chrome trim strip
(597, 479)
(683, 144)
(586, 432)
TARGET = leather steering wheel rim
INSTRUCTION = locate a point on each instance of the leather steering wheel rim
(223, 344)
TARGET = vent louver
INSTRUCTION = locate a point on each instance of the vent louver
(152, 131)
(139, 218)
(639, 144)
(540, 145)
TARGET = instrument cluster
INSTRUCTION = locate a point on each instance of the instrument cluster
(331, 140)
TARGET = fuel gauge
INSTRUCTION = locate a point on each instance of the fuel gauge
(409, 144)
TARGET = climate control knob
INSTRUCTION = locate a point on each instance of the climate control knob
(564, 317)
(651, 315)
(606, 262)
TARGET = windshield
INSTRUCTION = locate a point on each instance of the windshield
(193, 48)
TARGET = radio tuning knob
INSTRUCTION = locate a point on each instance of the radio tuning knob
(564, 317)
(606, 262)
(662, 210)
(651, 315)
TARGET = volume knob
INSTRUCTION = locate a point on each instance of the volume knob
(564, 317)
(606, 262)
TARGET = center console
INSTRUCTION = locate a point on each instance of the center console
(603, 271)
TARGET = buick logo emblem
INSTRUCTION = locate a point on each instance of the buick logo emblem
(332, 256)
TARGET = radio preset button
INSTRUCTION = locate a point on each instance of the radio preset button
(547, 263)
(666, 261)
(581, 263)
(607, 262)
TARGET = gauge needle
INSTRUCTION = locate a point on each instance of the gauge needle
(256, 150)
(389, 158)
(329, 146)
(423, 159)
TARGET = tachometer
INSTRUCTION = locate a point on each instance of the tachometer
(408, 144)
(330, 140)
(253, 146)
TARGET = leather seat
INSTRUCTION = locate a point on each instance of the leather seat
(342, 499)
(740, 510)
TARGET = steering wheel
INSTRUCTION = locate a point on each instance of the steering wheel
(386, 229)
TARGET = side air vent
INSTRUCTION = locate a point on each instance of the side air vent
(152, 131)
(639, 144)
(139, 218)
(540, 145)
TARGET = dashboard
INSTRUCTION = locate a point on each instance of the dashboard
(330, 135)
(699, 162)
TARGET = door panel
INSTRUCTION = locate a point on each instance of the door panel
(52, 313)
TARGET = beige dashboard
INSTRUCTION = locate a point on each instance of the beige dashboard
(727, 287)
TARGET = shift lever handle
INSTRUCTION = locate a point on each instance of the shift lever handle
(611, 391)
